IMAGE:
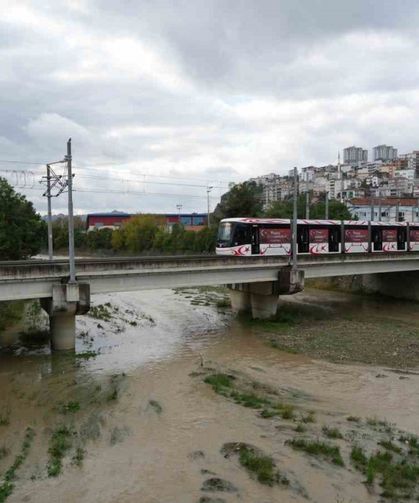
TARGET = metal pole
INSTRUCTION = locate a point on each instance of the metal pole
(379, 206)
(397, 211)
(326, 205)
(208, 205)
(307, 206)
(70, 215)
(372, 210)
(294, 222)
(50, 242)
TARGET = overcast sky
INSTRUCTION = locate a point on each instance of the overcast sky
(200, 91)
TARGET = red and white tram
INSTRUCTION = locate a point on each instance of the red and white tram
(272, 236)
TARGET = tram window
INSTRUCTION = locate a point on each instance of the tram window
(242, 235)
(224, 232)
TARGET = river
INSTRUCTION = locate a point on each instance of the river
(143, 426)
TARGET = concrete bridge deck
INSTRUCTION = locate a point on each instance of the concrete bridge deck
(255, 282)
(32, 279)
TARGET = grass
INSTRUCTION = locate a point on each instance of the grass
(224, 384)
(332, 432)
(6, 488)
(390, 446)
(78, 457)
(300, 428)
(101, 312)
(399, 477)
(223, 303)
(219, 382)
(261, 466)
(284, 410)
(4, 451)
(310, 417)
(5, 418)
(412, 443)
(70, 407)
(317, 448)
(282, 347)
(353, 419)
(61, 441)
(156, 406)
(250, 400)
(86, 355)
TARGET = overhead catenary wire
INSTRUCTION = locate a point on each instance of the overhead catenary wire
(92, 168)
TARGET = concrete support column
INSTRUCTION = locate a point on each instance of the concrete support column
(264, 306)
(261, 298)
(240, 301)
(67, 301)
(63, 329)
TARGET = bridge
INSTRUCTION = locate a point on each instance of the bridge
(255, 282)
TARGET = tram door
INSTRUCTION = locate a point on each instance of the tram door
(255, 240)
(401, 238)
(334, 239)
(377, 238)
(303, 239)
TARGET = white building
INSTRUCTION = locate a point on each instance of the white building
(385, 209)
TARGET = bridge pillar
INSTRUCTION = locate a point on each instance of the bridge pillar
(240, 301)
(261, 298)
(67, 301)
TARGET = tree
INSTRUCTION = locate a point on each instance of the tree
(60, 233)
(22, 231)
(140, 231)
(242, 200)
(284, 209)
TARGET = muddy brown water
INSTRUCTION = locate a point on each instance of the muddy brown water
(160, 437)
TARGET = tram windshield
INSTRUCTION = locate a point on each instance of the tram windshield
(224, 233)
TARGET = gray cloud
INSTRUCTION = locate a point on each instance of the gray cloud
(209, 90)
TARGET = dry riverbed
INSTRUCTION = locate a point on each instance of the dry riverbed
(170, 399)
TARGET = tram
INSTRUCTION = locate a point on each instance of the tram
(272, 236)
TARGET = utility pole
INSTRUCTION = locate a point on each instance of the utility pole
(209, 188)
(50, 244)
(326, 205)
(71, 256)
(294, 222)
(307, 206)
(372, 210)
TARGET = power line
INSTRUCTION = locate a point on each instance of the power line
(128, 192)
(9, 161)
(150, 182)
(91, 167)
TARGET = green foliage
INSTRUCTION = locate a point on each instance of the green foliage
(22, 231)
(70, 407)
(60, 233)
(331, 432)
(156, 406)
(261, 465)
(10, 312)
(219, 381)
(99, 239)
(316, 448)
(6, 488)
(399, 477)
(242, 200)
(61, 441)
(139, 232)
(284, 209)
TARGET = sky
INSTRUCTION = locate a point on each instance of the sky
(163, 99)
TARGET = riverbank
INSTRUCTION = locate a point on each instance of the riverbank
(347, 328)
